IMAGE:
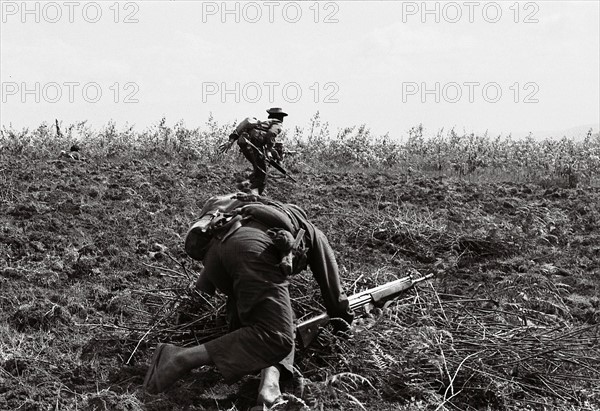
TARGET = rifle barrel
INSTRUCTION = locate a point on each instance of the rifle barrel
(364, 297)
(308, 329)
(370, 291)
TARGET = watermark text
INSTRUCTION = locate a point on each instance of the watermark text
(269, 11)
(69, 11)
(470, 11)
(470, 92)
(69, 91)
(270, 91)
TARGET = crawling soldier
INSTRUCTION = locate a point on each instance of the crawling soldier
(241, 260)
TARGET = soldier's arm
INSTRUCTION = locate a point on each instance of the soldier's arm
(323, 265)
(244, 127)
(204, 284)
(272, 133)
(211, 267)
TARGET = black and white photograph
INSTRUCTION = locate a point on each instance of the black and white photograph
(299, 205)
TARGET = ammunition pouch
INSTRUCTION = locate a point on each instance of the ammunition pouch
(198, 238)
(277, 220)
(300, 257)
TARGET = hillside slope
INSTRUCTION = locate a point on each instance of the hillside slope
(93, 250)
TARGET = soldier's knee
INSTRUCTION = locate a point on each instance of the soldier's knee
(282, 342)
(286, 344)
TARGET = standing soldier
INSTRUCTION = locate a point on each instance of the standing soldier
(261, 134)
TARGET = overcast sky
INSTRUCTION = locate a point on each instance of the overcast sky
(499, 66)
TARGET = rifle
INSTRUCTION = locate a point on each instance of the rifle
(309, 329)
(271, 161)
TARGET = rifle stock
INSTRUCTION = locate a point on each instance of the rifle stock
(308, 330)
(271, 162)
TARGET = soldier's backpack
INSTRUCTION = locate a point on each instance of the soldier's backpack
(215, 214)
(220, 213)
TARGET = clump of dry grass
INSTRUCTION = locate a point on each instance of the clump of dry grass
(471, 352)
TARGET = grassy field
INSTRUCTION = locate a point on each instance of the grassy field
(93, 272)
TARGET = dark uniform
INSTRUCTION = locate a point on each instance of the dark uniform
(242, 262)
(263, 135)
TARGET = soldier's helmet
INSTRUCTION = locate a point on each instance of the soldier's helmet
(276, 112)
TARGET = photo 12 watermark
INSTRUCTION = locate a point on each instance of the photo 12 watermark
(470, 11)
(270, 92)
(270, 11)
(69, 12)
(469, 92)
(69, 92)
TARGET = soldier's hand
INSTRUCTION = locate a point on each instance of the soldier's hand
(341, 328)
(223, 148)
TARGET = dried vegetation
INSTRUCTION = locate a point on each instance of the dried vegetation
(93, 272)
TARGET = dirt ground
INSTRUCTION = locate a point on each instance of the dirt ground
(80, 243)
